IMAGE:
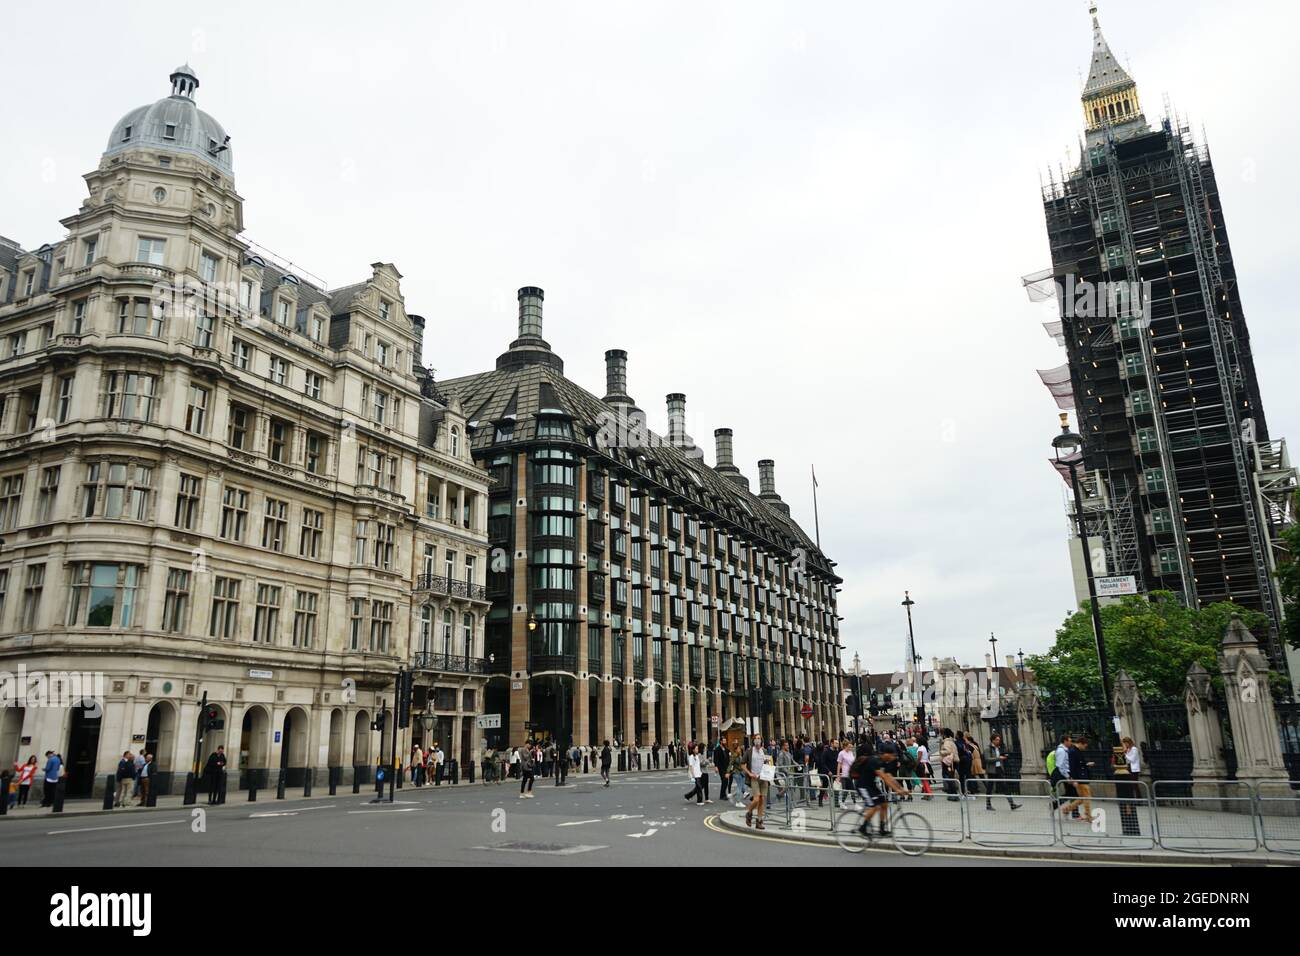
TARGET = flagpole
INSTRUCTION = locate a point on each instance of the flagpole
(817, 525)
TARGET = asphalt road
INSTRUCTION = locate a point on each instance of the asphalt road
(641, 820)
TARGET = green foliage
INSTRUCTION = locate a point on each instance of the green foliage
(1154, 640)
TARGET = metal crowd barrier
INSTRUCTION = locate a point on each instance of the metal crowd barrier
(1030, 825)
(1277, 803)
(1114, 814)
(1205, 816)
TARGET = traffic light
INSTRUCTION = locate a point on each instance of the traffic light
(378, 722)
(875, 704)
(854, 706)
(212, 719)
(405, 685)
(889, 701)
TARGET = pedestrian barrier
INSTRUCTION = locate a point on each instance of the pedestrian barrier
(1033, 824)
(1114, 814)
(1277, 804)
(1205, 816)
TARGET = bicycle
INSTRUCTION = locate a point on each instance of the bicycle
(910, 832)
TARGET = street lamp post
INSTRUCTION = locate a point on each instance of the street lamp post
(1068, 442)
(916, 680)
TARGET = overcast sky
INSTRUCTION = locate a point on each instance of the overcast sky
(811, 219)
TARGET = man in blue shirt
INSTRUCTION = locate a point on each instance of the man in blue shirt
(53, 769)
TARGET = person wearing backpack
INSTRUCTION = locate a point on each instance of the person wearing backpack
(1059, 767)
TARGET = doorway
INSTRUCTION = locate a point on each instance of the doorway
(83, 747)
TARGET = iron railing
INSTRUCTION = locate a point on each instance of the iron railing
(429, 661)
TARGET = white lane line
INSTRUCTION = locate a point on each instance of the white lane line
(576, 823)
(393, 810)
(120, 826)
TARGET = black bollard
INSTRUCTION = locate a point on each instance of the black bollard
(60, 791)
(110, 791)
(252, 787)
(153, 793)
(622, 760)
(307, 781)
(356, 780)
(279, 786)
(191, 789)
(334, 780)
(221, 793)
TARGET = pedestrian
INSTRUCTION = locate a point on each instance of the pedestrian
(1128, 765)
(948, 761)
(693, 763)
(417, 765)
(965, 760)
(1080, 774)
(146, 777)
(1060, 771)
(997, 773)
(125, 777)
(526, 765)
(438, 758)
(784, 769)
(722, 763)
(977, 776)
(26, 774)
(212, 773)
(654, 755)
(634, 757)
(924, 770)
(606, 759)
(514, 763)
(139, 764)
(760, 771)
(53, 769)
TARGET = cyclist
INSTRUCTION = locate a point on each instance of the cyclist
(870, 774)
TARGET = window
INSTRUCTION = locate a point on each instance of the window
(1162, 521)
(11, 496)
(282, 313)
(1133, 364)
(117, 490)
(224, 622)
(169, 131)
(455, 442)
(380, 408)
(275, 519)
(207, 267)
(1155, 479)
(196, 410)
(1146, 439)
(47, 333)
(241, 354)
(446, 632)
(381, 626)
(311, 385)
(89, 245)
(304, 618)
(17, 344)
(129, 396)
(277, 441)
(279, 371)
(432, 496)
(176, 604)
(467, 635)
(29, 282)
(187, 502)
(385, 309)
(317, 328)
(4, 590)
(103, 594)
(383, 554)
(449, 565)
(29, 409)
(1167, 559)
(48, 493)
(426, 628)
(32, 589)
(469, 569)
(357, 607)
(141, 317)
(234, 514)
(204, 328)
(370, 466)
(78, 317)
(266, 616)
(237, 428)
(246, 294)
(313, 524)
(151, 251)
(314, 452)
(384, 353)
(1142, 402)
(361, 538)
(391, 484)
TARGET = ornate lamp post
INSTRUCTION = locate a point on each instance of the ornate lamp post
(916, 660)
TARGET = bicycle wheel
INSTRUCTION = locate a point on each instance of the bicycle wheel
(848, 831)
(911, 832)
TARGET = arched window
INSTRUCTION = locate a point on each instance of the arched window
(455, 442)
(446, 632)
(426, 630)
(467, 634)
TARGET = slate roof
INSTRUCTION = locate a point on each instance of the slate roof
(522, 392)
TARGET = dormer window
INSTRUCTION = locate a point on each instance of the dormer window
(455, 442)
(164, 162)
(169, 131)
(126, 135)
(384, 310)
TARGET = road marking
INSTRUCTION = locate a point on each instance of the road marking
(120, 826)
(576, 823)
(626, 816)
(651, 832)
(290, 813)
(386, 810)
(543, 849)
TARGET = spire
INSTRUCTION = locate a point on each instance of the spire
(1110, 96)
(184, 81)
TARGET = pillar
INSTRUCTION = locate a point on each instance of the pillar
(1205, 731)
(1256, 738)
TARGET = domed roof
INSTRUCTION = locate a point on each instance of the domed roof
(176, 124)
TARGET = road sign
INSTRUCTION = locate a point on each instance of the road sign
(1117, 585)
(488, 721)
(806, 711)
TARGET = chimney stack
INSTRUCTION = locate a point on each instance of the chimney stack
(530, 312)
(723, 461)
(677, 420)
(616, 378)
(767, 486)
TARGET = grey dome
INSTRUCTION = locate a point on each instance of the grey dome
(192, 130)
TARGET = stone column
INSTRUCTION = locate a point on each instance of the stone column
(1128, 708)
(1255, 734)
(1029, 728)
(1205, 731)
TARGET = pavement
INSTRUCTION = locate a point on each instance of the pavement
(642, 819)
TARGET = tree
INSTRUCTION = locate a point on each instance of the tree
(1155, 641)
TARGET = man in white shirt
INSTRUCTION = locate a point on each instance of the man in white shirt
(437, 765)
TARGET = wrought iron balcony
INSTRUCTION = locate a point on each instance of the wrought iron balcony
(428, 661)
(440, 584)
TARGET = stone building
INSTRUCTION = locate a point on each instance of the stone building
(218, 476)
(638, 594)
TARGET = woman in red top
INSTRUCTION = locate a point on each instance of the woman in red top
(26, 774)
